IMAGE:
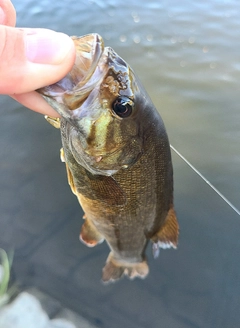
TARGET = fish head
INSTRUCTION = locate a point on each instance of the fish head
(100, 104)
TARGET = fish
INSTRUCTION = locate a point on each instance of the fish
(118, 158)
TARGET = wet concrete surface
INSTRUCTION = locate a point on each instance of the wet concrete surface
(195, 286)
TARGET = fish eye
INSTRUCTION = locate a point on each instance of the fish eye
(123, 107)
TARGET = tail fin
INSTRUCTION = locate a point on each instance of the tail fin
(115, 269)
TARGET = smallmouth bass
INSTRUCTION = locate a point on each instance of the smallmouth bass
(117, 157)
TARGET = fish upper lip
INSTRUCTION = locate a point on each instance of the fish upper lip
(89, 50)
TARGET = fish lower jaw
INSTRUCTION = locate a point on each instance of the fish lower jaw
(91, 166)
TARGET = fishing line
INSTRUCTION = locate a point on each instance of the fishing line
(204, 179)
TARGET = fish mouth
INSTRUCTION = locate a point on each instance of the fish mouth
(75, 87)
(89, 49)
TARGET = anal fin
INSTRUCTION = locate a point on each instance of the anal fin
(167, 236)
(115, 269)
(89, 234)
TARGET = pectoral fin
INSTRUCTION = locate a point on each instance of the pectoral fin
(96, 187)
(107, 189)
(167, 236)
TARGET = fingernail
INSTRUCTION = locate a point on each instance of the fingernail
(47, 46)
(2, 16)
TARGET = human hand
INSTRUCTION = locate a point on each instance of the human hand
(31, 59)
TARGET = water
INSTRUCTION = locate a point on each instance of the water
(187, 56)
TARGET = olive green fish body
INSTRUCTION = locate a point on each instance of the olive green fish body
(118, 159)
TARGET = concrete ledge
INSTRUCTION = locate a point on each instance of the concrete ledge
(34, 309)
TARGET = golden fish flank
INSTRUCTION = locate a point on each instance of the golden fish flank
(117, 157)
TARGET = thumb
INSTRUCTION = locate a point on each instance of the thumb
(7, 13)
(33, 58)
